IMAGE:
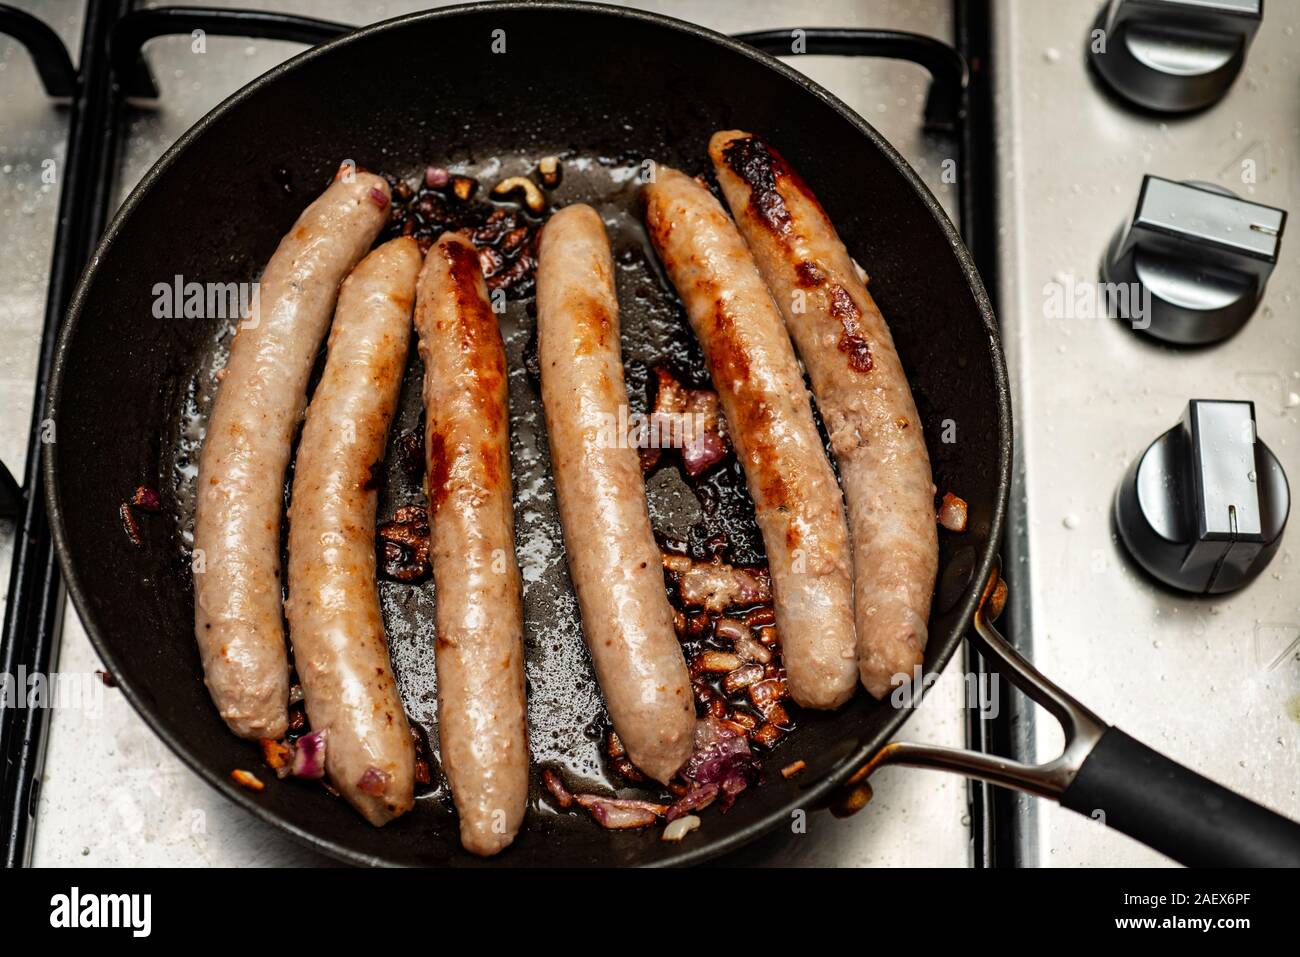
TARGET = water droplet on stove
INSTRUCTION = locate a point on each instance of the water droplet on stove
(1052, 55)
(1070, 521)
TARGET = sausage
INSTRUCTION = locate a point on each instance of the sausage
(339, 646)
(259, 404)
(479, 652)
(797, 503)
(862, 393)
(614, 560)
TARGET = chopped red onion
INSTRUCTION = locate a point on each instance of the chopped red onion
(697, 798)
(743, 639)
(309, 757)
(435, 177)
(558, 791)
(146, 497)
(703, 452)
(618, 814)
(732, 630)
(374, 781)
(721, 757)
(379, 197)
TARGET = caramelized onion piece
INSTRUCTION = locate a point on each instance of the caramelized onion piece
(563, 799)
(692, 419)
(717, 586)
(130, 525)
(246, 780)
(533, 197)
(952, 513)
(277, 755)
(742, 638)
(742, 678)
(549, 169)
(617, 814)
(716, 662)
(463, 187)
(679, 828)
(146, 499)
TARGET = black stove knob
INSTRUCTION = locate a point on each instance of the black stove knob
(1191, 264)
(1172, 56)
(1204, 508)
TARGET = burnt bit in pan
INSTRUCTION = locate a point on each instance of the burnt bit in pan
(504, 232)
(404, 546)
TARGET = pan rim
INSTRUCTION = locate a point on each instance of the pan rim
(809, 796)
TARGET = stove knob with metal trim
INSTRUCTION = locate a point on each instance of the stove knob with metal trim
(1191, 264)
(1172, 56)
(1204, 507)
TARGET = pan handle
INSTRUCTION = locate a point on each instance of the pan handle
(1166, 806)
(134, 30)
(1107, 775)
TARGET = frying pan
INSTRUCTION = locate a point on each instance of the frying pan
(605, 88)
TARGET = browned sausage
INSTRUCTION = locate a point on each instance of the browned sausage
(798, 505)
(482, 719)
(339, 646)
(613, 558)
(862, 393)
(238, 619)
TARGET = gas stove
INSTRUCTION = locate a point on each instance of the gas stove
(1050, 162)
(1211, 680)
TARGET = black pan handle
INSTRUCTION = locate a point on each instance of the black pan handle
(1102, 773)
(134, 30)
(1128, 786)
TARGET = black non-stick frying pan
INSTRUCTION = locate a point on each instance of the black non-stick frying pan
(496, 86)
